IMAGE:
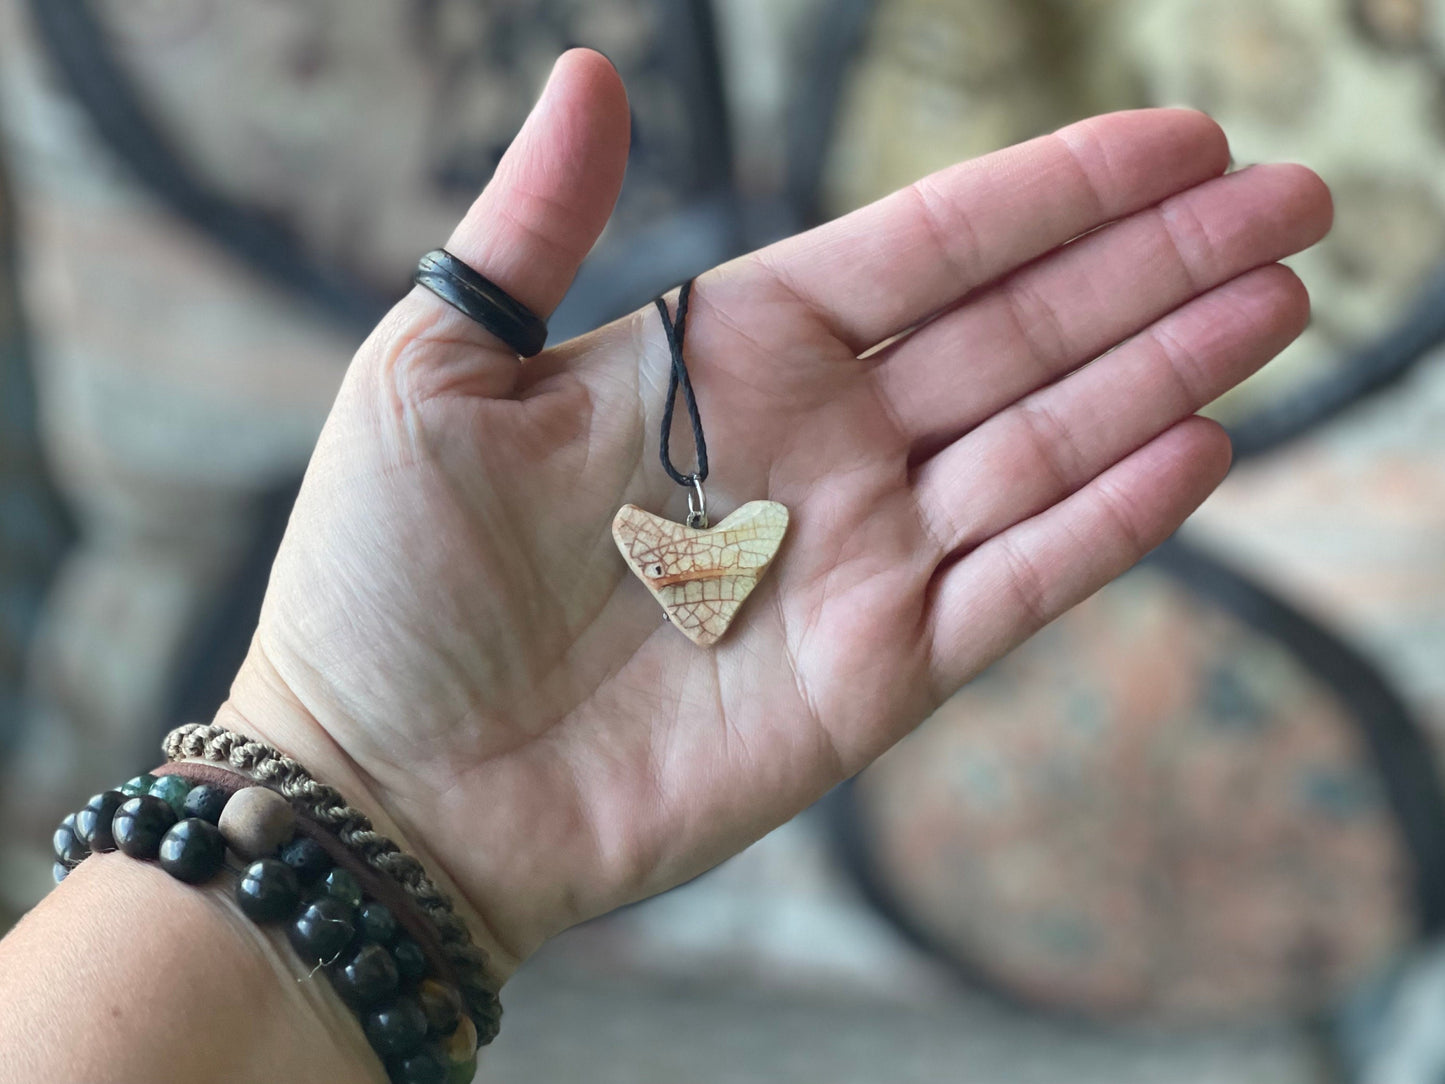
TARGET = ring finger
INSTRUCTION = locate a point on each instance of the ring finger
(1056, 314)
(1049, 444)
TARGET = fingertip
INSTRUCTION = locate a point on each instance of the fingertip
(1271, 299)
(531, 227)
(1171, 132)
(1203, 132)
(1317, 195)
(1300, 192)
(1204, 446)
(589, 76)
(1293, 298)
(555, 187)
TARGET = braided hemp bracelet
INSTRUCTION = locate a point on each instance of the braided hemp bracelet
(325, 805)
(351, 902)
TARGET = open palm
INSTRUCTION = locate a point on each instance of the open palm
(449, 625)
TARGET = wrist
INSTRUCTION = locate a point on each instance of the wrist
(141, 965)
(263, 708)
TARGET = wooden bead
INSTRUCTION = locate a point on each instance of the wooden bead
(256, 821)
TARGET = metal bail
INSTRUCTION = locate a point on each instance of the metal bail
(697, 505)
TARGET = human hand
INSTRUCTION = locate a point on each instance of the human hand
(451, 637)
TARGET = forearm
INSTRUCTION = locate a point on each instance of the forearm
(124, 973)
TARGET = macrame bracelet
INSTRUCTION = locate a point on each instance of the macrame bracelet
(314, 863)
(325, 805)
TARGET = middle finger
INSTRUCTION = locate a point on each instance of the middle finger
(1059, 312)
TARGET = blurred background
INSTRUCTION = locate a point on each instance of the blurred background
(1194, 831)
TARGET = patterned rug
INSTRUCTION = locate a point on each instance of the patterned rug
(1150, 810)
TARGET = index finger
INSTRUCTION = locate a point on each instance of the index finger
(889, 266)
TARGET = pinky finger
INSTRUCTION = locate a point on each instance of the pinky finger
(1012, 585)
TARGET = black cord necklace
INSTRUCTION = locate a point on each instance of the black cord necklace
(700, 575)
(677, 378)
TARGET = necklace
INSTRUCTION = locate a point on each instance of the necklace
(699, 574)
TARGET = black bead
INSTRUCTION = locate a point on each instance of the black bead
(70, 849)
(307, 858)
(424, 1067)
(268, 891)
(376, 922)
(342, 887)
(192, 851)
(140, 823)
(93, 823)
(206, 800)
(322, 930)
(369, 977)
(411, 961)
(59, 871)
(398, 1028)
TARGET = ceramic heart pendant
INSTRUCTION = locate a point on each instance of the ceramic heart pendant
(701, 576)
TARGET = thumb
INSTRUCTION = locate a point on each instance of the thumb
(528, 231)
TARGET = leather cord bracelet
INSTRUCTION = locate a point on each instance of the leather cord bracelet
(305, 860)
(325, 805)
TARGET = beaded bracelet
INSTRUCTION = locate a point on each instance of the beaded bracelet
(343, 912)
(324, 804)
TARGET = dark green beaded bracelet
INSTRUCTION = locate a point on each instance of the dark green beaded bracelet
(398, 1028)
(426, 1067)
(141, 784)
(341, 886)
(171, 789)
(321, 932)
(307, 858)
(408, 1002)
(205, 801)
(410, 959)
(377, 922)
(93, 823)
(268, 891)
(140, 823)
(192, 851)
(367, 977)
(70, 849)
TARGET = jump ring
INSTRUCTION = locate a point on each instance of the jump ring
(696, 504)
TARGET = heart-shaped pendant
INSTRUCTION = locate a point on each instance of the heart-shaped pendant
(701, 576)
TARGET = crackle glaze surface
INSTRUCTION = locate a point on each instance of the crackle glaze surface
(701, 576)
